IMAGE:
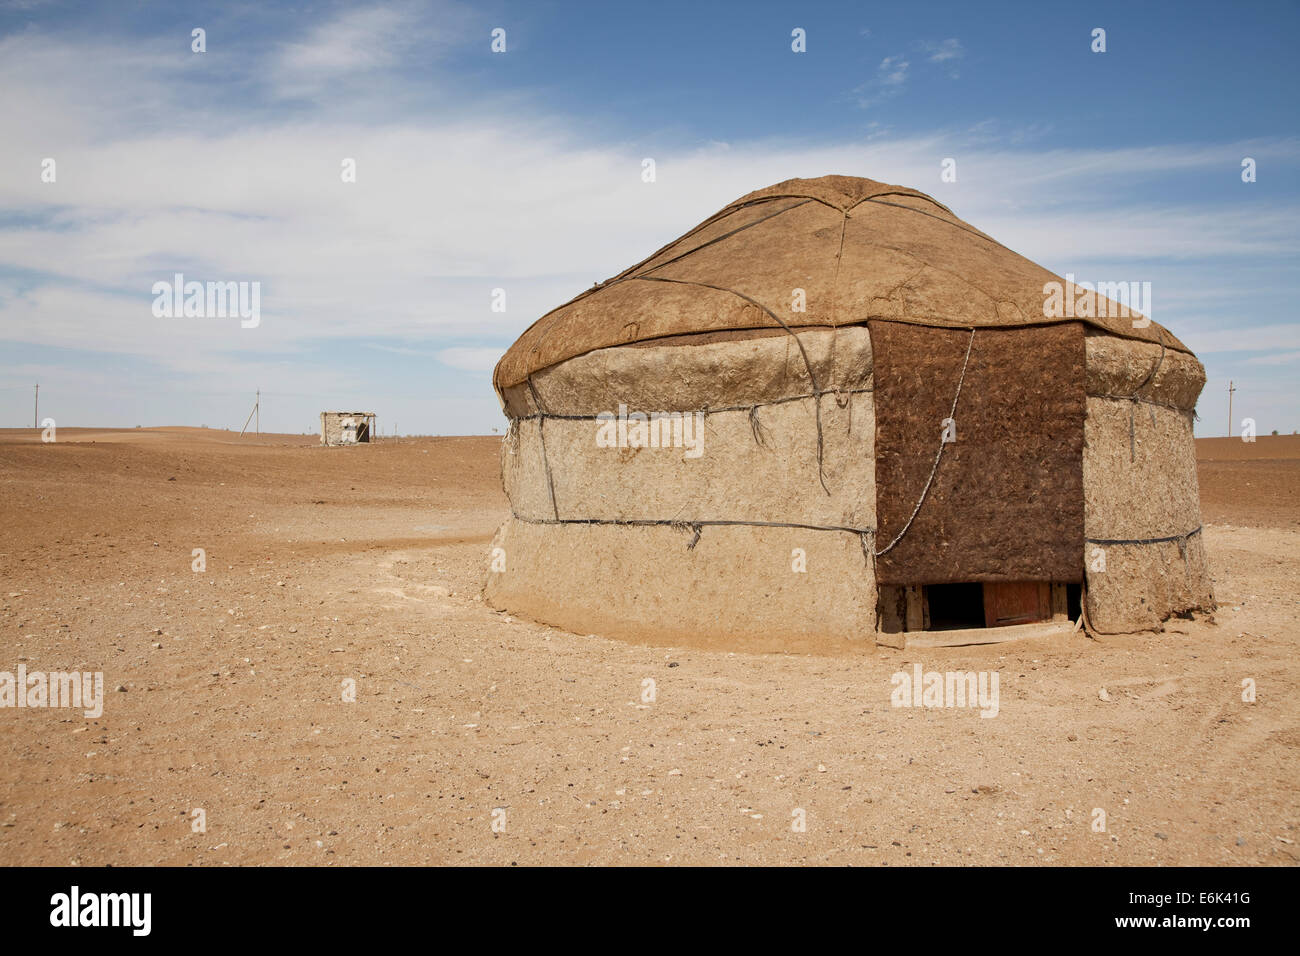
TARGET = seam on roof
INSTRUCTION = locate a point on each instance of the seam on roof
(716, 217)
(915, 194)
(620, 276)
(705, 245)
(929, 265)
(824, 202)
(958, 225)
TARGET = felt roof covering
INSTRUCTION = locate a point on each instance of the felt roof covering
(858, 248)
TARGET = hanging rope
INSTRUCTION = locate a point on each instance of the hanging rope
(952, 414)
(807, 362)
(760, 433)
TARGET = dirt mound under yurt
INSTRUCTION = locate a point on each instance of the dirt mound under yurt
(835, 411)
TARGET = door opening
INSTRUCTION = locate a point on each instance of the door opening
(955, 606)
(975, 605)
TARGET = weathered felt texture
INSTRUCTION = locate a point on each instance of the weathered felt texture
(1139, 474)
(1124, 368)
(693, 375)
(735, 478)
(739, 587)
(858, 249)
(1146, 489)
(1006, 503)
(1146, 584)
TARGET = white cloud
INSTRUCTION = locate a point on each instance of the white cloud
(892, 71)
(950, 49)
(356, 42)
(890, 78)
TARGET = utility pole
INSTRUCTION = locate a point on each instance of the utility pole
(1231, 389)
(256, 411)
(36, 413)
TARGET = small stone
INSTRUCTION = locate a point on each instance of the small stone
(1102, 695)
(821, 768)
(120, 688)
(1161, 836)
(1071, 737)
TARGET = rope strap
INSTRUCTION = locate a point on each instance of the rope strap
(1180, 538)
(952, 414)
(712, 411)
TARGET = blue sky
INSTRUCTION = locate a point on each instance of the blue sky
(522, 171)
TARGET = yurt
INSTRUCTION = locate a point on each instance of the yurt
(835, 412)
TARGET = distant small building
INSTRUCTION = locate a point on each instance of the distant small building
(347, 428)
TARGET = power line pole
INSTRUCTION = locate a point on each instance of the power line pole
(36, 413)
(1231, 389)
(256, 411)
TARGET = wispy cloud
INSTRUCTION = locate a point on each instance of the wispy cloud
(890, 78)
(358, 43)
(950, 49)
(946, 53)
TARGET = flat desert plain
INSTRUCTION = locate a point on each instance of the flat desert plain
(481, 739)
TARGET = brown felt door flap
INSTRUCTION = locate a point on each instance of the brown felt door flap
(1006, 503)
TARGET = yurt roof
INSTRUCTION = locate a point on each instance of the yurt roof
(858, 248)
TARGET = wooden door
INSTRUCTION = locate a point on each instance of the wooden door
(1016, 602)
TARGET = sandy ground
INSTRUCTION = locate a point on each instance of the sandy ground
(224, 689)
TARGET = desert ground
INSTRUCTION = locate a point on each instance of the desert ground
(224, 689)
